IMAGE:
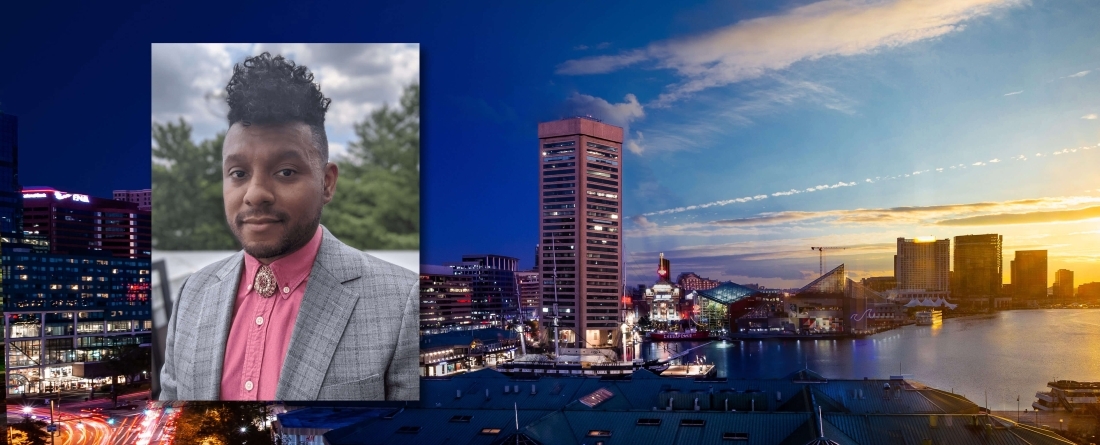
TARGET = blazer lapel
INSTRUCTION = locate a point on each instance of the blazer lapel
(326, 308)
(213, 328)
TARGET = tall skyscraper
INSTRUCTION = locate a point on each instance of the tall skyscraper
(1029, 275)
(580, 186)
(495, 298)
(922, 267)
(978, 266)
(1063, 286)
(11, 200)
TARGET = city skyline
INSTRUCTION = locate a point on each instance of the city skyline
(742, 155)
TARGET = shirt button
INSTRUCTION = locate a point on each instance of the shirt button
(259, 321)
(286, 290)
(248, 385)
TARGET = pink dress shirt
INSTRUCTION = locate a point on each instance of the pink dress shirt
(260, 334)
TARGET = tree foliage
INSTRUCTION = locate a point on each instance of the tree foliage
(377, 202)
(30, 432)
(221, 423)
(187, 191)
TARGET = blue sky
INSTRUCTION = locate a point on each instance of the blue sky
(906, 118)
(721, 100)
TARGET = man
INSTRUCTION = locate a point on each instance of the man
(297, 315)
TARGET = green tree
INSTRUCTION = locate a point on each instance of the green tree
(127, 360)
(187, 191)
(377, 202)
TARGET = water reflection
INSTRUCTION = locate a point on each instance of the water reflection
(1002, 355)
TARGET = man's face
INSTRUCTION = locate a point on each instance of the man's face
(274, 187)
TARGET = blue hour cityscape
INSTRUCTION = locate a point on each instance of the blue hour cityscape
(820, 221)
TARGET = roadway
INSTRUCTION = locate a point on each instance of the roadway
(93, 423)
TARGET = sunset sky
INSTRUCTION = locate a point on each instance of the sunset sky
(851, 124)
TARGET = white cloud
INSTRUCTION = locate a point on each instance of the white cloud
(634, 144)
(189, 81)
(1078, 74)
(620, 114)
(643, 223)
(1090, 116)
(752, 48)
(1014, 93)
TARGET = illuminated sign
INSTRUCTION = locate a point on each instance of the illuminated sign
(60, 196)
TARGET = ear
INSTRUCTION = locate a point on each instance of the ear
(332, 172)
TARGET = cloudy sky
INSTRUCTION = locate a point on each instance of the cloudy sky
(850, 124)
(756, 130)
(189, 81)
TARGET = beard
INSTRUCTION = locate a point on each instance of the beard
(297, 234)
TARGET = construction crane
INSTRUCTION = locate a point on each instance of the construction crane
(821, 256)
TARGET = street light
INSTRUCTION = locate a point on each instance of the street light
(624, 328)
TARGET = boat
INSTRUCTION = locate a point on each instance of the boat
(680, 336)
(929, 317)
(1068, 395)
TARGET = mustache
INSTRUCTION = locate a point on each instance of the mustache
(281, 216)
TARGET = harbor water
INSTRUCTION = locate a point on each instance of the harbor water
(994, 357)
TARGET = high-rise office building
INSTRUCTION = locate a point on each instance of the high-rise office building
(1029, 276)
(1063, 286)
(143, 198)
(495, 298)
(978, 266)
(11, 200)
(76, 286)
(446, 300)
(922, 266)
(77, 224)
(580, 186)
(1089, 292)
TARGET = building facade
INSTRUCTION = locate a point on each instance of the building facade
(11, 200)
(71, 306)
(689, 281)
(1029, 277)
(580, 187)
(1063, 286)
(922, 268)
(978, 266)
(445, 300)
(1089, 292)
(143, 198)
(530, 293)
(78, 224)
(493, 278)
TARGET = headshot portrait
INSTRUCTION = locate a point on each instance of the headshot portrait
(285, 245)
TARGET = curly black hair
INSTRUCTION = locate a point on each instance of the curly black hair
(267, 90)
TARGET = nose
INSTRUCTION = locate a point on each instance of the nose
(259, 193)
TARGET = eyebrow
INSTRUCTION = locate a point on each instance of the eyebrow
(283, 155)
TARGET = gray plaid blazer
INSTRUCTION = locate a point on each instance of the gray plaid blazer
(355, 338)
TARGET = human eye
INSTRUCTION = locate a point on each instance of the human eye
(236, 174)
(286, 172)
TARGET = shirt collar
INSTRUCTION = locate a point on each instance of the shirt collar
(291, 270)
